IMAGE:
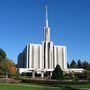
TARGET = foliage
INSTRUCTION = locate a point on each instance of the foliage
(7, 67)
(79, 64)
(54, 82)
(84, 65)
(68, 65)
(73, 64)
(2, 54)
(57, 73)
(17, 73)
(88, 67)
(8, 80)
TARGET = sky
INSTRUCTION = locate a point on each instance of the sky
(22, 22)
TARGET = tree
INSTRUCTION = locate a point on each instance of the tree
(57, 73)
(68, 65)
(73, 64)
(88, 67)
(85, 65)
(10, 67)
(79, 64)
(2, 54)
(7, 67)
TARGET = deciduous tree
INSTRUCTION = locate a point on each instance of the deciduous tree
(9, 67)
(6, 65)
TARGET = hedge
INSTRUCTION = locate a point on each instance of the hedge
(55, 82)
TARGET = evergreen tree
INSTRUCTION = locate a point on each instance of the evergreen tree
(68, 65)
(79, 64)
(73, 64)
(85, 65)
(57, 73)
(2, 54)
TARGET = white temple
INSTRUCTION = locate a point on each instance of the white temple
(42, 58)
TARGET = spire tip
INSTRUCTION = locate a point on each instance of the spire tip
(46, 16)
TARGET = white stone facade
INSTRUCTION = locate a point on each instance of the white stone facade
(37, 56)
(42, 57)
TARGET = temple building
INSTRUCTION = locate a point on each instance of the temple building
(42, 58)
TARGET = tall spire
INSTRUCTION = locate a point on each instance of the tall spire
(46, 16)
(46, 28)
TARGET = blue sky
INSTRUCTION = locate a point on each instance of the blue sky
(22, 22)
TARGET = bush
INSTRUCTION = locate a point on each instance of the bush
(8, 80)
(57, 73)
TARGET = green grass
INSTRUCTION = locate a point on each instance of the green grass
(81, 86)
(26, 87)
(5, 86)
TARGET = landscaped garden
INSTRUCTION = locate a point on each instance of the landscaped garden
(10, 79)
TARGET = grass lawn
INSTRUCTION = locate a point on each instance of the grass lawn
(5, 86)
(26, 87)
(86, 87)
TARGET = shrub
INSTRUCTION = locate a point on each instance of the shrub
(57, 73)
(8, 80)
(55, 82)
